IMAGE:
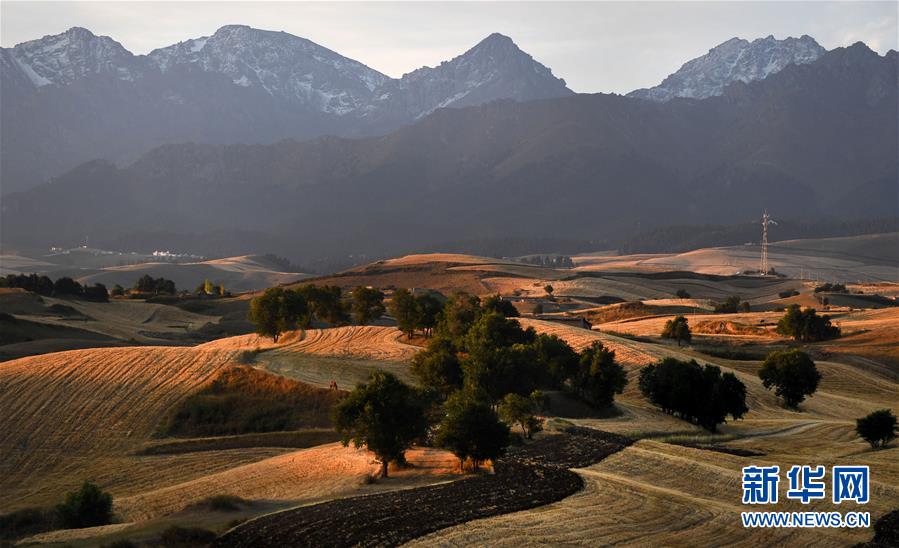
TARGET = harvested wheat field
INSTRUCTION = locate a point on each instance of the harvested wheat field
(656, 494)
(299, 477)
(65, 413)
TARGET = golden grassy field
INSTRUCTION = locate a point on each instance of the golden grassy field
(85, 414)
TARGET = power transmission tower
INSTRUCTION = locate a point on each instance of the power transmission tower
(766, 220)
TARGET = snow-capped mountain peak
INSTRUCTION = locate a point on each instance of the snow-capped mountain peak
(63, 58)
(285, 66)
(736, 60)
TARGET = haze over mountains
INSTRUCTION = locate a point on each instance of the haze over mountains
(74, 97)
(783, 125)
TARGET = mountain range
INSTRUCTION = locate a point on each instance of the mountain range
(75, 96)
(813, 140)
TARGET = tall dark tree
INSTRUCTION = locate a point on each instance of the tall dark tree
(404, 309)
(792, 374)
(437, 368)
(428, 308)
(325, 303)
(600, 376)
(557, 360)
(384, 415)
(368, 304)
(472, 430)
(678, 329)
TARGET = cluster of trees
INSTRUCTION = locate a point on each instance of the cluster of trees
(281, 309)
(480, 374)
(788, 293)
(62, 287)
(156, 286)
(699, 394)
(831, 288)
(415, 313)
(209, 289)
(552, 261)
(677, 329)
(806, 325)
(731, 305)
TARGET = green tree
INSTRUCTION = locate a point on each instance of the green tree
(404, 309)
(600, 376)
(437, 368)
(384, 415)
(368, 304)
(325, 303)
(558, 362)
(499, 357)
(496, 303)
(87, 507)
(682, 294)
(806, 325)
(471, 430)
(792, 373)
(877, 428)
(428, 308)
(521, 410)
(695, 393)
(459, 313)
(549, 290)
(276, 311)
(677, 329)
(117, 291)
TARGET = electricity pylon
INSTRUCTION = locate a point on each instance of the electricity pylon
(766, 220)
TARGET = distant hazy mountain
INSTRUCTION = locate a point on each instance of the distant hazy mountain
(813, 141)
(736, 60)
(75, 96)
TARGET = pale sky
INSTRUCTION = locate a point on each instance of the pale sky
(594, 46)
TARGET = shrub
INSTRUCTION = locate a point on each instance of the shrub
(472, 430)
(677, 329)
(695, 393)
(177, 536)
(806, 325)
(877, 428)
(87, 507)
(792, 373)
(682, 294)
